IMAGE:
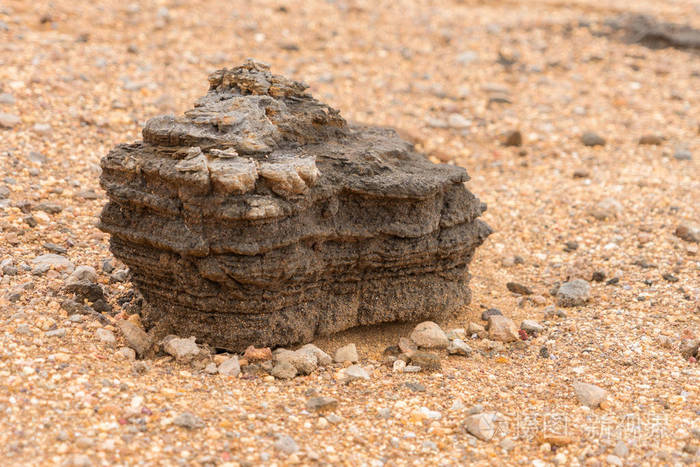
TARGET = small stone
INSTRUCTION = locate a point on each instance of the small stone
(257, 355)
(82, 273)
(476, 328)
(184, 350)
(127, 353)
(426, 361)
(573, 293)
(286, 444)
(230, 367)
(592, 139)
(321, 404)
(502, 329)
(459, 347)
(688, 232)
(398, 366)
(507, 444)
(490, 312)
(482, 425)
(513, 138)
(120, 275)
(105, 336)
(689, 348)
(347, 353)
(458, 121)
(322, 357)
(531, 327)
(570, 246)
(188, 420)
(544, 352)
(456, 333)
(60, 332)
(608, 208)
(682, 154)
(651, 139)
(613, 460)
(621, 450)
(9, 120)
(519, 288)
(57, 262)
(283, 370)
(354, 372)
(407, 346)
(415, 386)
(598, 276)
(429, 335)
(6, 99)
(135, 337)
(211, 368)
(590, 394)
(304, 361)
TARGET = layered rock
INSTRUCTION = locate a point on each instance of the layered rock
(261, 217)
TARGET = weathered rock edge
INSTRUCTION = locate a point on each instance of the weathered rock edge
(262, 218)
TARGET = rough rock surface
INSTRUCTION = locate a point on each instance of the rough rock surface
(261, 217)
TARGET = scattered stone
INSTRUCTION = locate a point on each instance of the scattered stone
(286, 444)
(354, 372)
(458, 121)
(415, 386)
(322, 357)
(544, 352)
(608, 208)
(456, 333)
(690, 348)
(613, 460)
(427, 361)
(304, 361)
(621, 450)
(127, 353)
(398, 366)
(60, 332)
(83, 283)
(490, 312)
(120, 275)
(188, 420)
(9, 120)
(573, 293)
(592, 139)
(590, 394)
(502, 329)
(283, 370)
(519, 288)
(135, 337)
(513, 138)
(183, 349)
(230, 367)
(683, 154)
(429, 336)
(481, 425)
(6, 99)
(257, 355)
(476, 328)
(347, 353)
(211, 368)
(507, 444)
(50, 260)
(321, 404)
(688, 232)
(570, 246)
(598, 276)
(654, 140)
(668, 277)
(407, 346)
(531, 327)
(49, 208)
(459, 347)
(105, 336)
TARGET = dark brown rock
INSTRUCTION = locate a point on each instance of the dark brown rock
(261, 217)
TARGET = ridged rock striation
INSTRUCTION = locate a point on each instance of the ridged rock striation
(261, 217)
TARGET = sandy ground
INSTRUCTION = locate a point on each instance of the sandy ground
(83, 76)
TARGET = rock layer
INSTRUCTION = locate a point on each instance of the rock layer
(261, 217)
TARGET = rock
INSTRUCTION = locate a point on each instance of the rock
(321, 404)
(573, 293)
(354, 372)
(513, 138)
(230, 367)
(689, 348)
(283, 370)
(184, 350)
(398, 366)
(682, 154)
(613, 460)
(4, 192)
(651, 139)
(490, 312)
(322, 357)
(426, 361)
(211, 368)
(621, 450)
(407, 346)
(9, 120)
(128, 353)
(304, 361)
(120, 275)
(458, 121)
(347, 353)
(429, 336)
(60, 332)
(608, 208)
(6, 99)
(459, 347)
(50, 260)
(502, 329)
(456, 333)
(531, 327)
(688, 232)
(507, 444)
(257, 355)
(590, 394)
(592, 139)
(286, 444)
(481, 425)
(83, 283)
(476, 328)
(105, 336)
(212, 212)
(188, 420)
(82, 273)
(519, 288)
(135, 337)
(415, 386)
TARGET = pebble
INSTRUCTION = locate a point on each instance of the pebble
(429, 336)
(682, 154)
(82, 273)
(457, 333)
(8, 120)
(651, 139)
(230, 367)
(286, 444)
(183, 349)
(481, 425)
(51, 260)
(6, 98)
(458, 121)
(476, 328)
(283, 370)
(519, 288)
(135, 337)
(688, 232)
(592, 139)
(407, 346)
(621, 450)
(502, 329)
(105, 336)
(127, 353)
(459, 347)
(322, 357)
(321, 404)
(257, 355)
(398, 366)
(573, 293)
(589, 394)
(532, 327)
(490, 312)
(415, 386)
(304, 361)
(120, 275)
(60, 332)
(613, 460)
(347, 353)
(354, 372)
(188, 420)
(608, 208)
(513, 138)
(211, 368)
